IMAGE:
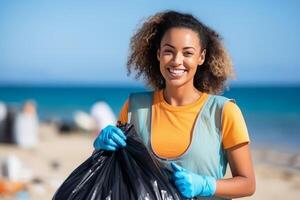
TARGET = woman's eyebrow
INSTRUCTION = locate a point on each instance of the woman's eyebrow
(169, 45)
(189, 48)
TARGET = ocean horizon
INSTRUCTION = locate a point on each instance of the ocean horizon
(271, 113)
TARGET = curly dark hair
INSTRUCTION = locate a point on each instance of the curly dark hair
(210, 77)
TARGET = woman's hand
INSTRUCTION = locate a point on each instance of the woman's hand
(110, 138)
(190, 184)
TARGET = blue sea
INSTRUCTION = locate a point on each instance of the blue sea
(272, 114)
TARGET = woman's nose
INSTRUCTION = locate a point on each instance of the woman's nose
(178, 59)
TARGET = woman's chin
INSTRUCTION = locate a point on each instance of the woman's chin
(175, 83)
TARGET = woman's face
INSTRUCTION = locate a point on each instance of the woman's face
(179, 56)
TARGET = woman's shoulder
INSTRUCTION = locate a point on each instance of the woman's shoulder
(227, 105)
(221, 101)
(140, 99)
(221, 98)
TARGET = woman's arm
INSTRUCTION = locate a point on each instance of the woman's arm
(242, 182)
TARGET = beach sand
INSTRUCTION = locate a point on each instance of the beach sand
(57, 155)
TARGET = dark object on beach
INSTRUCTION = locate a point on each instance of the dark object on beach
(129, 173)
(55, 165)
(37, 180)
(66, 127)
(3, 114)
(7, 132)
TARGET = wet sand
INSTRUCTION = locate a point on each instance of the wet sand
(57, 155)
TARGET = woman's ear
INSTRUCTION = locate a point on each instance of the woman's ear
(202, 57)
(158, 54)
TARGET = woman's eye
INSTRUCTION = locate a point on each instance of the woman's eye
(188, 54)
(167, 51)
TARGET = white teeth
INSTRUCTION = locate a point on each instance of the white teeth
(176, 71)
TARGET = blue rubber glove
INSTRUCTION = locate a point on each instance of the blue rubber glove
(191, 185)
(110, 138)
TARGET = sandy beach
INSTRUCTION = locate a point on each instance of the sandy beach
(57, 155)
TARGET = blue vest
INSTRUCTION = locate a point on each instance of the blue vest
(205, 154)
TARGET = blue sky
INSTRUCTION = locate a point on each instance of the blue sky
(86, 42)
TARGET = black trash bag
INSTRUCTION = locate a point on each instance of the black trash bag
(129, 173)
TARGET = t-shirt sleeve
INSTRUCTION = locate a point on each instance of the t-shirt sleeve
(123, 116)
(234, 128)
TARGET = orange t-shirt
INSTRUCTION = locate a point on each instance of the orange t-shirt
(172, 126)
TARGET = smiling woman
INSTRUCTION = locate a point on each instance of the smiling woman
(191, 131)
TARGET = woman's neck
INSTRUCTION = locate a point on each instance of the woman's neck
(181, 96)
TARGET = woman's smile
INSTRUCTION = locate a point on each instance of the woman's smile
(176, 72)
